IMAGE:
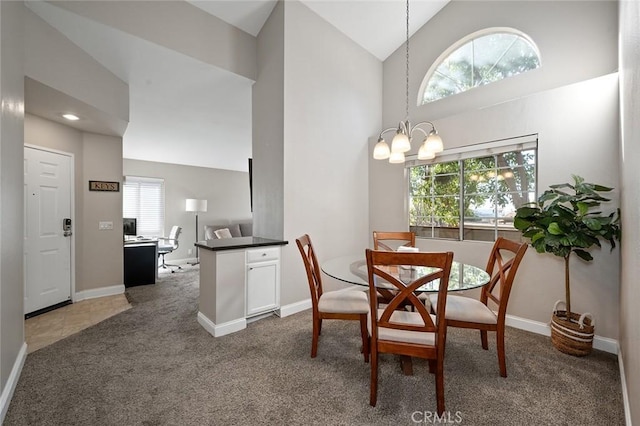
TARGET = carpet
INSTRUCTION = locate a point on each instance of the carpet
(155, 365)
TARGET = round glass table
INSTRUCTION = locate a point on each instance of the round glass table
(352, 269)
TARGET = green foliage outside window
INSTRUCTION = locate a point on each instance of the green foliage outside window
(491, 189)
(481, 61)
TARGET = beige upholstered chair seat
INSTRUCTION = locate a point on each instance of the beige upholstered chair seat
(460, 308)
(350, 301)
(405, 336)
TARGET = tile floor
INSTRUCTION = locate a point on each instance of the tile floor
(50, 327)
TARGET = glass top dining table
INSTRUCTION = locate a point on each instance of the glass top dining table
(352, 269)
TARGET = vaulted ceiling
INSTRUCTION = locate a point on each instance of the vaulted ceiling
(177, 101)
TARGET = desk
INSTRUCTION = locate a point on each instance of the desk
(140, 262)
(352, 269)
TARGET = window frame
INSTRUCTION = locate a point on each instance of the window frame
(457, 45)
(519, 143)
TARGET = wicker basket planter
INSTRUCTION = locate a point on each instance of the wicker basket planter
(572, 335)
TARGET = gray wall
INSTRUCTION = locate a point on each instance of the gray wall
(332, 104)
(268, 129)
(102, 264)
(178, 26)
(11, 192)
(226, 192)
(51, 59)
(630, 120)
(577, 126)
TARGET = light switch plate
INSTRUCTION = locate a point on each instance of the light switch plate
(104, 226)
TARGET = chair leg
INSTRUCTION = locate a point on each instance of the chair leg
(502, 361)
(168, 265)
(373, 398)
(365, 337)
(483, 339)
(440, 386)
(319, 326)
(316, 334)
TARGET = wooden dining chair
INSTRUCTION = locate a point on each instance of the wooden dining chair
(465, 312)
(407, 239)
(410, 333)
(343, 305)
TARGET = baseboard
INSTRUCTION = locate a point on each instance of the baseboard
(625, 394)
(217, 330)
(12, 382)
(293, 308)
(99, 292)
(601, 343)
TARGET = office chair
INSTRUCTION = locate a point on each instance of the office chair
(168, 245)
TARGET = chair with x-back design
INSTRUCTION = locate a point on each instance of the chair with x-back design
(464, 312)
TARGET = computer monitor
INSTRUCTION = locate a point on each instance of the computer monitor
(130, 226)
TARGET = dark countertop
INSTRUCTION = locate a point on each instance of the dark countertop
(238, 243)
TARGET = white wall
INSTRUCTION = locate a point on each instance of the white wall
(577, 126)
(226, 192)
(577, 41)
(11, 200)
(630, 192)
(332, 104)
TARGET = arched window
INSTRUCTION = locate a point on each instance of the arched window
(478, 59)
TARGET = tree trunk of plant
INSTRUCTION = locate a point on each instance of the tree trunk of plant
(566, 285)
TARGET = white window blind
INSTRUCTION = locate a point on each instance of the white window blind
(143, 198)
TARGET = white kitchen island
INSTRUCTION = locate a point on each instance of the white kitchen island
(239, 280)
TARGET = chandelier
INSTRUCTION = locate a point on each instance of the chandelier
(401, 143)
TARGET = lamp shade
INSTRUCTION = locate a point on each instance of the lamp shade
(381, 150)
(194, 205)
(400, 143)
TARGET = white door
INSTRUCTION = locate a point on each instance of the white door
(47, 198)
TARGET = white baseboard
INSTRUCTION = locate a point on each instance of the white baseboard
(294, 308)
(217, 330)
(12, 382)
(625, 394)
(99, 292)
(601, 343)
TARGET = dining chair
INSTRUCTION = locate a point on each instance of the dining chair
(409, 333)
(407, 239)
(465, 312)
(342, 305)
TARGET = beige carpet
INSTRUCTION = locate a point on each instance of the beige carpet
(154, 365)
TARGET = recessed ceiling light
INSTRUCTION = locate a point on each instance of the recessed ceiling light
(71, 117)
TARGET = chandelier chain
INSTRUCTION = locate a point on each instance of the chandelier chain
(406, 106)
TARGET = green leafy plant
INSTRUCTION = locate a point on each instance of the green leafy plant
(566, 220)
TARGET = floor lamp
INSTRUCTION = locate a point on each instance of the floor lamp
(196, 206)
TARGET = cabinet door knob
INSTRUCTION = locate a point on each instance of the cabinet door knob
(264, 254)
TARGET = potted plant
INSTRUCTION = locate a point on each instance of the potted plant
(566, 220)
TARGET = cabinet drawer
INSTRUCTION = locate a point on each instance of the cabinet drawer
(261, 255)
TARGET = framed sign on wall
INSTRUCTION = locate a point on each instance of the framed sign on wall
(104, 186)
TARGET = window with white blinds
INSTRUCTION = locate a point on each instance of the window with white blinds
(143, 198)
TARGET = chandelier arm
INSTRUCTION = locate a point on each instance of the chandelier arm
(386, 130)
(418, 128)
(433, 127)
